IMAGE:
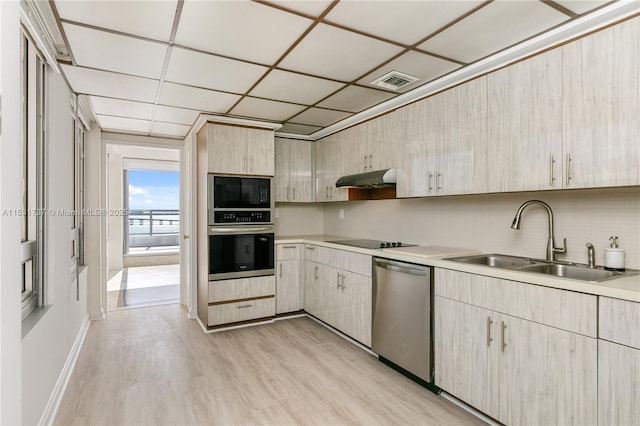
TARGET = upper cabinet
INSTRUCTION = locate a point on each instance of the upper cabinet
(332, 159)
(445, 143)
(601, 105)
(240, 150)
(525, 125)
(293, 171)
(374, 144)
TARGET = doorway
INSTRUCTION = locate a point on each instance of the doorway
(144, 241)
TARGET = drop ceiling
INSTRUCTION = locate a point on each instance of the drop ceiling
(151, 67)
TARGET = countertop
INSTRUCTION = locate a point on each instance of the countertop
(626, 288)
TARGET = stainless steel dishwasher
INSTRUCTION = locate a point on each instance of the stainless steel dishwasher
(402, 325)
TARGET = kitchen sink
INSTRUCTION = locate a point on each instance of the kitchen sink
(538, 266)
(495, 260)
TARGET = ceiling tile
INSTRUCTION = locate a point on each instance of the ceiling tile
(580, 7)
(293, 87)
(299, 129)
(406, 22)
(308, 7)
(319, 117)
(109, 84)
(152, 19)
(169, 129)
(419, 65)
(120, 108)
(111, 52)
(213, 72)
(123, 124)
(267, 110)
(176, 115)
(201, 99)
(239, 29)
(334, 53)
(492, 28)
(356, 99)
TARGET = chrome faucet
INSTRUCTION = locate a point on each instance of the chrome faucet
(552, 250)
(591, 254)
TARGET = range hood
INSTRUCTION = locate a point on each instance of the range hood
(378, 179)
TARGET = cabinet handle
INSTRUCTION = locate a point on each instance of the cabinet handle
(315, 273)
(338, 281)
(489, 339)
(343, 277)
(280, 267)
(504, 326)
(326, 188)
(370, 161)
(568, 168)
(430, 182)
(288, 193)
(552, 164)
(365, 162)
(244, 306)
(288, 247)
(293, 190)
(439, 181)
(310, 248)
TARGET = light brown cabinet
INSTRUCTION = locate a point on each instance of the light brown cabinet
(293, 180)
(511, 358)
(288, 278)
(239, 150)
(331, 157)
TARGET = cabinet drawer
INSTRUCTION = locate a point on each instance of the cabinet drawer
(287, 251)
(243, 288)
(619, 321)
(576, 312)
(346, 260)
(242, 311)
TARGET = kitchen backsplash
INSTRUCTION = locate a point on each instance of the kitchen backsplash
(299, 219)
(483, 222)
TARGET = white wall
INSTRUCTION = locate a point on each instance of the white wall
(299, 219)
(482, 222)
(10, 198)
(47, 345)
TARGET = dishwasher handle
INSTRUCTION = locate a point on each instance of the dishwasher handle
(405, 268)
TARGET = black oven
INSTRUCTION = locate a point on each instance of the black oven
(241, 251)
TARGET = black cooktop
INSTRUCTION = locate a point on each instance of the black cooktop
(371, 244)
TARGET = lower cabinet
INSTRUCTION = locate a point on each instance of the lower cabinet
(288, 278)
(337, 296)
(618, 362)
(243, 299)
(517, 371)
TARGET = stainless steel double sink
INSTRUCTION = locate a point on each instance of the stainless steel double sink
(576, 271)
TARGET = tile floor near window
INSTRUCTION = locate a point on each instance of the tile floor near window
(143, 286)
(154, 366)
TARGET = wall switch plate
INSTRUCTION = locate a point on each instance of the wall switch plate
(341, 214)
(276, 213)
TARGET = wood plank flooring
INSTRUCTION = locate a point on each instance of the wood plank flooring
(154, 366)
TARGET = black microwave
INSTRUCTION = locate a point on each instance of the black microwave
(237, 200)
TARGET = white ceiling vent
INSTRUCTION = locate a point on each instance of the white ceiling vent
(394, 80)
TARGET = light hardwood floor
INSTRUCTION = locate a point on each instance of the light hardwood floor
(154, 366)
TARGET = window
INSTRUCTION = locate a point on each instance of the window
(33, 119)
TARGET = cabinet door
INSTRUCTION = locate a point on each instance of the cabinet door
(548, 376)
(330, 159)
(385, 135)
(525, 125)
(462, 138)
(312, 284)
(259, 151)
(354, 306)
(465, 353)
(226, 149)
(416, 175)
(300, 171)
(601, 99)
(288, 289)
(282, 175)
(618, 384)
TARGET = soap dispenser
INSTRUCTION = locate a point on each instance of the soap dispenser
(614, 256)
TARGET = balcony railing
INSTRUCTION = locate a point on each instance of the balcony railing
(153, 227)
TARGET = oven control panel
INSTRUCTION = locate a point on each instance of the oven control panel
(253, 216)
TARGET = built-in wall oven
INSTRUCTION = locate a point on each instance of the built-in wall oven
(241, 233)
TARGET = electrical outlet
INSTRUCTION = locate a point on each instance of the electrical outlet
(341, 214)
(276, 213)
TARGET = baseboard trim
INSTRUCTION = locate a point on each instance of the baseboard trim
(51, 409)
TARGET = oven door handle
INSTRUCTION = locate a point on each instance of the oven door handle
(240, 230)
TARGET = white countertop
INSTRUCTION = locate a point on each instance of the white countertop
(626, 288)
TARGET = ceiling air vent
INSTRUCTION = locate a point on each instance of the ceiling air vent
(394, 80)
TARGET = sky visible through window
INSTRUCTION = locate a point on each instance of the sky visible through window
(154, 190)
